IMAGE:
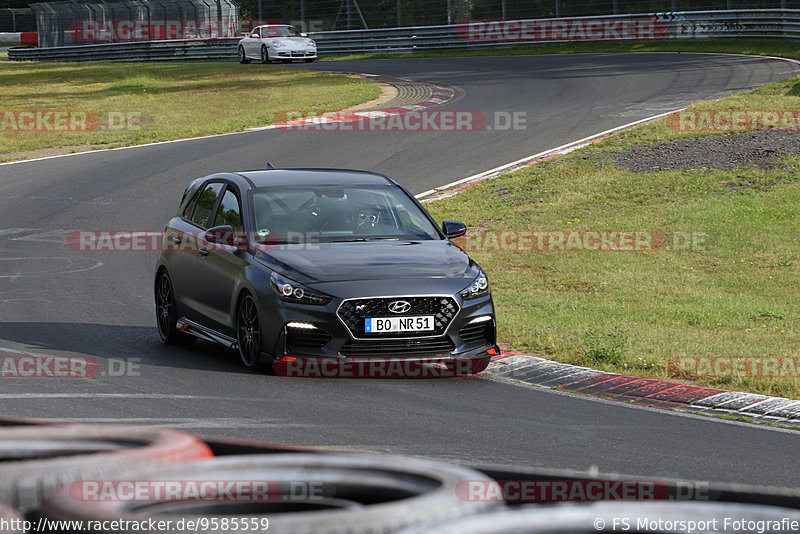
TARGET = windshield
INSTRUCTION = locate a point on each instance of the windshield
(280, 31)
(332, 214)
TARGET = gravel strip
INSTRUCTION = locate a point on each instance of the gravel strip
(725, 152)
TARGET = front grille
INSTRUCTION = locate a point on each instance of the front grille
(353, 312)
(398, 347)
(300, 338)
(481, 332)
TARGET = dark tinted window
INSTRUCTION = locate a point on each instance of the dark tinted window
(329, 213)
(280, 31)
(229, 212)
(187, 211)
(205, 204)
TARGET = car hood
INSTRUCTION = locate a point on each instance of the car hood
(290, 41)
(371, 260)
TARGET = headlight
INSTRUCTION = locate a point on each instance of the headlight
(291, 291)
(478, 288)
(277, 44)
(311, 42)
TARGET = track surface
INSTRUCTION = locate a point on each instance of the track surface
(58, 302)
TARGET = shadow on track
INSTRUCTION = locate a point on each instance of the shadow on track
(119, 342)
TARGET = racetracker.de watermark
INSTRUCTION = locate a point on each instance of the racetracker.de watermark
(152, 29)
(583, 241)
(734, 366)
(402, 121)
(522, 491)
(588, 29)
(198, 490)
(185, 241)
(733, 120)
(321, 367)
(30, 366)
(49, 120)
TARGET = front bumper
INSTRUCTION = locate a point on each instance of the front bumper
(330, 333)
(288, 54)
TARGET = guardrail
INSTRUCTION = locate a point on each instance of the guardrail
(753, 23)
(220, 48)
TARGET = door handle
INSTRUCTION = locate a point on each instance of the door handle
(175, 239)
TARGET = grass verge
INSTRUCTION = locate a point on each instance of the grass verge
(733, 295)
(148, 102)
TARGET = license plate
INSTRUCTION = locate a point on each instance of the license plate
(374, 325)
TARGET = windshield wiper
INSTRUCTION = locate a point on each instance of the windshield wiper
(359, 239)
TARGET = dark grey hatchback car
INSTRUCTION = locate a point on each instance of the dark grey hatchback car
(311, 265)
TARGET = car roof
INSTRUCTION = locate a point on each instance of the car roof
(313, 177)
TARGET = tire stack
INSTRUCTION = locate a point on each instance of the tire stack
(340, 493)
(46, 468)
(36, 460)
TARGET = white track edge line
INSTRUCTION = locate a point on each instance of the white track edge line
(548, 152)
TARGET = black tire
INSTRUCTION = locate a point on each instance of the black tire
(357, 494)
(265, 55)
(311, 60)
(242, 57)
(167, 313)
(40, 459)
(248, 333)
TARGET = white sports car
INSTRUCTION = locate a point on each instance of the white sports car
(275, 42)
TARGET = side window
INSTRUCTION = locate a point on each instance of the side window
(205, 204)
(229, 212)
(187, 211)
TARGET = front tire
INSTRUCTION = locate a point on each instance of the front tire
(248, 333)
(242, 56)
(167, 313)
(265, 55)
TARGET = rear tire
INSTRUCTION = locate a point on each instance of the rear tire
(167, 313)
(248, 333)
(242, 56)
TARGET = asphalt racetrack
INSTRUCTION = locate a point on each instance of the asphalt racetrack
(55, 301)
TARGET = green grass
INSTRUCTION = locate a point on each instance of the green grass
(163, 101)
(763, 47)
(734, 295)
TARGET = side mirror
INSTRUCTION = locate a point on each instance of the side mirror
(453, 229)
(304, 34)
(220, 235)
